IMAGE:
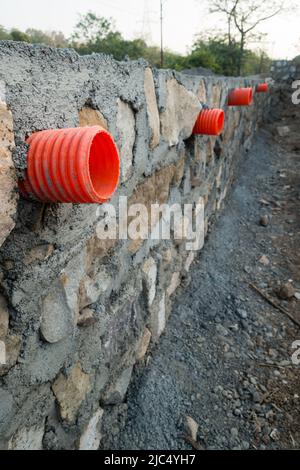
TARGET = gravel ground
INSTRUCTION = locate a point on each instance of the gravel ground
(225, 357)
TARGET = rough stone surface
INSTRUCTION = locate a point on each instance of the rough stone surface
(143, 345)
(75, 298)
(154, 191)
(27, 439)
(224, 380)
(91, 437)
(158, 318)
(152, 109)
(4, 317)
(8, 185)
(6, 409)
(189, 261)
(12, 350)
(283, 131)
(126, 127)
(92, 117)
(150, 270)
(191, 427)
(86, 317)
(91, 289)
(56, 318)
(179, 117)
(175, 282)
(116, 393)
(70, 392)
(202, 95)
(39, 253)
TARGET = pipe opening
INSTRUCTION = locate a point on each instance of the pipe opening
(104, 165)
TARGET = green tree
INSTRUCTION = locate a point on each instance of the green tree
(94, 33)
(17, 35)
(215, 54)
(52, 38)
(242, 18)
(4, 34)
(92, 28)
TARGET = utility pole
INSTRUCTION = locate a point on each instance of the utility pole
(161, 35)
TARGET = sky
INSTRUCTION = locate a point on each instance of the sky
(183, 19)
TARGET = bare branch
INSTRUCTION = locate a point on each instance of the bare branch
(260, 20)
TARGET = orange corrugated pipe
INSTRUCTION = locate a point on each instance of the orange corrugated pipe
(210, 122)
(79, 165)
(240, 97)
(262, 88)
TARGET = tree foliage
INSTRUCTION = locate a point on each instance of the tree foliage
(242, 18)
(95, 34)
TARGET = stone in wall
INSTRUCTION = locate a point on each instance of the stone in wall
(86, 317)
(98, 248)
(57, 320)
(231, 124)
(143, 345)
(91, 437)
(202, 92)
(71, 277)
(158, 317)
(175, 283)
(179, 117)
(126, 128)
(179, 170)
(92, 288)
(27, 439)
(91, 117)
(4, 317)
(70, 392)
(11, 343)
(152, 109)
(154, 190)
(39, 253)
(7, 407)
(8, 182)
(117, 391)
(150, 271)
(216, 96)
(126, 314)
(191, 257)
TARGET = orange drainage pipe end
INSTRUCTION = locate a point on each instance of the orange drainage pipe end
(79, 165)
(240, 97)
(262, 88)
(209, 122)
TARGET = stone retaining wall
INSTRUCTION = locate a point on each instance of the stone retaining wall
(77, 313)
(285, 70)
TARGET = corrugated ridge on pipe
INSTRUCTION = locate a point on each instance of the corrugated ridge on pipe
(262, 88)
(209, 122)
(78, 165)
(240, 97)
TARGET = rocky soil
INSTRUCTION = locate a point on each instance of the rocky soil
(222, 375)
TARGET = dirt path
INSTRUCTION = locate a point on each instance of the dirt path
(225, 358)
